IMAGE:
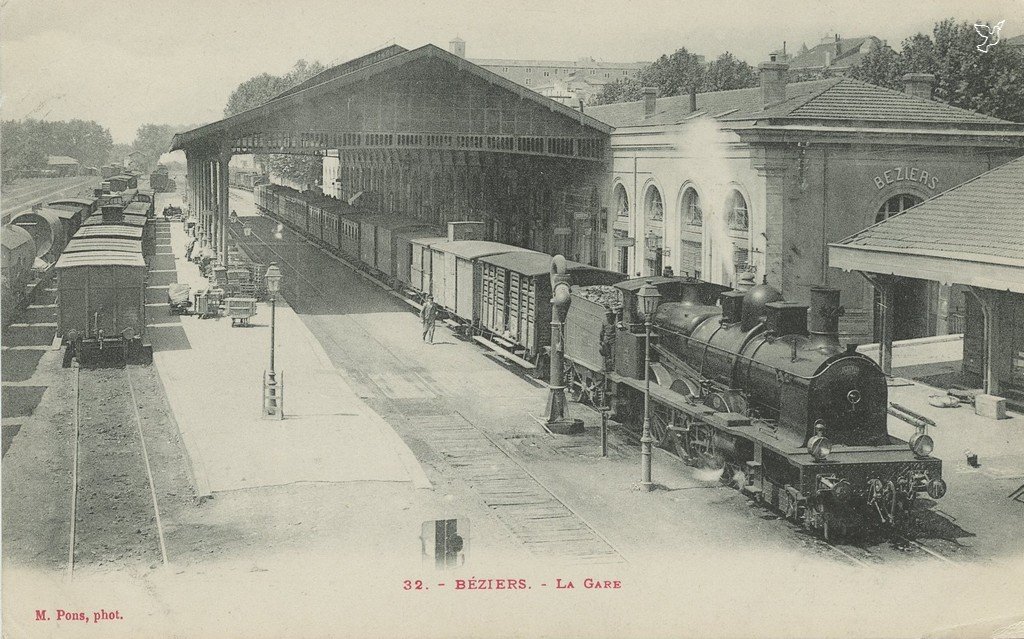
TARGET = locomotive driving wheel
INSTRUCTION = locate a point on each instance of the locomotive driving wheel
(696, 444)
(661, 419)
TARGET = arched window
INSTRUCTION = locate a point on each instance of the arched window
(621, 201)
(896, 204)
(653, 207)
(691, 212)
(738, 214)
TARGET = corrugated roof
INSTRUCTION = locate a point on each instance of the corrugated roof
(830, 100)
(532, 263)
(101, 258)
(109, 230)
(93, 244)
(980, 220)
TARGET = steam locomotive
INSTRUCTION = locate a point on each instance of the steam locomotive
(762, 388)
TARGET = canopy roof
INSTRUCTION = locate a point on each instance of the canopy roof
(346, 78)
(971, 234)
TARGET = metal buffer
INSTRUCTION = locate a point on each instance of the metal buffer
(555, 418)
(273, 389)
(649, 298)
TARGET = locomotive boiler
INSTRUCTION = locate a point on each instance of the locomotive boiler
(798, 420)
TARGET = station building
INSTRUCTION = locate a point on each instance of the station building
(985, 257)
(761, 180)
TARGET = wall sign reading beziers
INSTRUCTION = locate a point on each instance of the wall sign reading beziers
(904, 174)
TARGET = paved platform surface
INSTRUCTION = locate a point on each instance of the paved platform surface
(213, 375)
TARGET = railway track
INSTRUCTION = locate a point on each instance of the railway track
(115, 516)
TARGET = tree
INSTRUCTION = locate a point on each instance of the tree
(990, 83)
(26, 143)
(259, 90)
(674, 74)
(882, 66)
(621, 90)
(678, 73)
(727, 72)
(152, 141)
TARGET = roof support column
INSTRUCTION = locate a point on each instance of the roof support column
(223, 204)
(884, 285)
(989, 302)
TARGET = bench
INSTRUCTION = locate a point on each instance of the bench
(503, 353)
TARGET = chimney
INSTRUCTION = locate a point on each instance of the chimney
(773, 82)
(693, 99)
(457, 46)
(650, 98)
(919, 85)
(828, 58)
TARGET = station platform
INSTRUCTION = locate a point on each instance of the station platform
(213, 375)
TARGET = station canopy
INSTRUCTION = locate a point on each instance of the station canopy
(394, 98)
(972, 234)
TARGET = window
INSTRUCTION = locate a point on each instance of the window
(545, 74)
(621, 201)
(692, 213)
(607, 75)
(738, 216)
(505, 69)
(529, 69)
(529, 81)
(625, 73)
(653, 206)
(593, 71)
(896, 204)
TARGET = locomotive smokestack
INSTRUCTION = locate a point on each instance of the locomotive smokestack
(823, 319)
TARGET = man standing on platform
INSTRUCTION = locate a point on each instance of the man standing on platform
(429, 315)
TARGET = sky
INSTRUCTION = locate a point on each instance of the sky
(125, 63)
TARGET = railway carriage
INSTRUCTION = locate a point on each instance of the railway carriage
(408, 257)
(101, 302)
(516, 296)
(88, 204)
(420, 262)
(456, 276)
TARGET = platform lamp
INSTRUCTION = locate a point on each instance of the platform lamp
(273, 391)
(649, 298)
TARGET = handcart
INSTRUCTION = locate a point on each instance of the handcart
(240, 309)
(178, 298)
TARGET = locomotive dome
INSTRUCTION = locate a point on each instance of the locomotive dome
(755, 304)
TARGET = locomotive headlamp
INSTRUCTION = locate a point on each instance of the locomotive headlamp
(818, 445)
(936, 488)
(922, 445)
(73, 335)
(649, 298)
(128, 334)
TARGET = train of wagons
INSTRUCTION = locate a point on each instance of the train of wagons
(740, 380)
(97, 248)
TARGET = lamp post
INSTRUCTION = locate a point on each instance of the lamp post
(273, 404)
(649, 298)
